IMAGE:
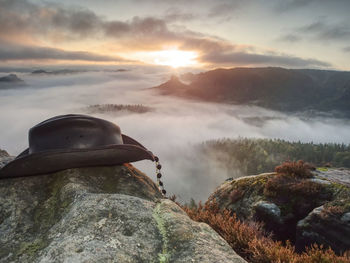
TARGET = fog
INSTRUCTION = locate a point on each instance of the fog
(170, 131)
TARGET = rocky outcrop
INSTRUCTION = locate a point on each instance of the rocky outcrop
(325, 226)
(303, 210)
(100, 214)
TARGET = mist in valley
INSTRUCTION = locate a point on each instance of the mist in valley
(172, 129)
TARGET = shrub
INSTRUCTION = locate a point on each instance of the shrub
(282, 185)
(250, 241)
(297, 169)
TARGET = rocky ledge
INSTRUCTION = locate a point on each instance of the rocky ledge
(100, 214)
(303, 210)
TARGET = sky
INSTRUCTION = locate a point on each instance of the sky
(201, 34)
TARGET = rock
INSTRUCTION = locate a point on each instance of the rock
(240, 195)
(100, 214)
(289, 206)
(320, 181)
(341, 175)
(324, 228)
(267, 211)
(345, 218)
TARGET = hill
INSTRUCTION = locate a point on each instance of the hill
(11, 78)
(275, 88)
(11, 81)
(253, 156)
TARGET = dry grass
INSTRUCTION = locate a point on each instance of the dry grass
(252, 243)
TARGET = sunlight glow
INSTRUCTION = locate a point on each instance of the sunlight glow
(175, 58)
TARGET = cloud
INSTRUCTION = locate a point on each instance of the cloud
(176, 14)
(322, 30)
(242, 58)
(346, 49)
(290, 5)
(292, 38)
(225, 9)
(76, 23)
(326, 5)
(10, 51)
(48, 22)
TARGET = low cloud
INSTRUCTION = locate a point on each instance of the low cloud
(171, 131)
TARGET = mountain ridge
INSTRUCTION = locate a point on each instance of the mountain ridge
(274, 88)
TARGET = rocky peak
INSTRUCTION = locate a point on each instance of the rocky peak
(172, 85)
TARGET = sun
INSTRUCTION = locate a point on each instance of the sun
(175, 58)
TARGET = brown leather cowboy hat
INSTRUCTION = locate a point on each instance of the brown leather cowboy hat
(70, 141)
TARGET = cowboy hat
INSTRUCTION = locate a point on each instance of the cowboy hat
(71, 141)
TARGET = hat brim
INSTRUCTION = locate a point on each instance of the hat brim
(52, 161)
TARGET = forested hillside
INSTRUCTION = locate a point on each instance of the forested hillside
(254, 156)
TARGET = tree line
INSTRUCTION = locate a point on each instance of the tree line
(254, 156)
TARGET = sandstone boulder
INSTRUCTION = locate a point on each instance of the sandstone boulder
(100, 214)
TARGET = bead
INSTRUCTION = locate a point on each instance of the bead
(159, 166)
(159, 175)
(160, 183)
(164, 192)
(156, 158)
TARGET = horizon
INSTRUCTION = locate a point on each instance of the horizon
(199, 35)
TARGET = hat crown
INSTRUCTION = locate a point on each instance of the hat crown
(73, 132)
